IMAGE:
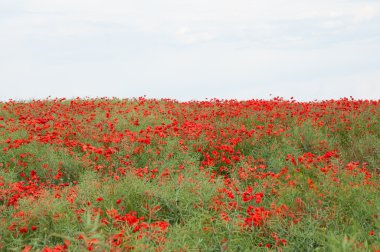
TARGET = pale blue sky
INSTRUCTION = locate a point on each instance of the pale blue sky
(190, 49)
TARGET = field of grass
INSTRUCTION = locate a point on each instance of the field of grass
(161, 175)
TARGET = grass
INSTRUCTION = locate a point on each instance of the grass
(161, 175)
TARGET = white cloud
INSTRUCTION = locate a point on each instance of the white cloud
(185, 35)
(366, 13)
(187, 48)
(191, 20)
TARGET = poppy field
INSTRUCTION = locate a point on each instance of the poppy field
(143, 174)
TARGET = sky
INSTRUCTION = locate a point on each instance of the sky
(190, 49)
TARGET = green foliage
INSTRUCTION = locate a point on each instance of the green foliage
(164, 176)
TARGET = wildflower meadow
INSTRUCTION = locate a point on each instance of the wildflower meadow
(142, 174)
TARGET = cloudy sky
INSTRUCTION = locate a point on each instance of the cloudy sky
(190, 49)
